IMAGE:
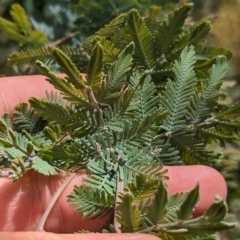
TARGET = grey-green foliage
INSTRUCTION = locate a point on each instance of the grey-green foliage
(112, 125)
(191, 99)
(133, 112)
(20, 29)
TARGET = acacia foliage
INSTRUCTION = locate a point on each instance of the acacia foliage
(130, 115)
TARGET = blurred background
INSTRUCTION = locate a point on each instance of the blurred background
(69, 22)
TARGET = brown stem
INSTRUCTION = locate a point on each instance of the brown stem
(62, 39)
(172, 224)
(52, 202)
(119, 189)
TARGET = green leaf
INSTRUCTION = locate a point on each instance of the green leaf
(138, 32)
(99, 177)
(177, 94)
(52, 132)
(29, 149)
(66, 66)
(26, 119)
(63, 155)
(195, 35)
(3, 127)
(107, 30)
(75, 96)
(20, 18)
(95, 67)
(54, 112)
(44, 167)
(128, 215)
(171, 28)
(193, 149)
(11, 31)
(229, 112)
(78, 122)
(212, 52)
(152, 17)
(92, 203)
(20, 29)
(211, 91)
(6, 143)
(109, 50)
(43, 54)
(209, 228)
(142, 187)
(217, 211)
(117, 74)
(187, 207)
(147, 101)
(157, 209)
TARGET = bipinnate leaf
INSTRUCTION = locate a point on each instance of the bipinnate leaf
(118, 72)
(3, 127)
(26, 119)
(67, 66)
(217, 211)
(29, 149)
(128, 214)
(195, 35)
(20, 29)
(43, 167)
(52, 132)
(171, 28)
(198, 229)
(187, 207)
(212, 52)
(211, 90)
(143, 40)
(44, 54)
(20, 18)
(152, 18)
(92, 203)
(5, 137)
(143, 187)
(177, 94)
(95, 67)
(107, 30)
(157, 208)
(230, 112)
(69, 92)
(54, 112)
(110, 52)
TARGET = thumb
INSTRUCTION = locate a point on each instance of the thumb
(17, 89)
(90, 236)
(24, 202)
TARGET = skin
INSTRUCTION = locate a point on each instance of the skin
(23, 203)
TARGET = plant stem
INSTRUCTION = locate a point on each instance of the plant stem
(62, 39)
(172, 224)
(119, 189)
(52, 202)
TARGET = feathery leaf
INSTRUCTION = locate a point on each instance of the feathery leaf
(177, 93)
(138, 32)
(171, 28)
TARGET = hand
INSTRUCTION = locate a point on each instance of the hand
(23, 203)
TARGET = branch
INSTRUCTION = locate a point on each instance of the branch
(52, 202)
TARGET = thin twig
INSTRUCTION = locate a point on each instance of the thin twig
(119, 189)
(52, 202)
(172, 224)
(62, 39)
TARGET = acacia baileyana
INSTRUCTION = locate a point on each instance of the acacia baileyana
(149, 98)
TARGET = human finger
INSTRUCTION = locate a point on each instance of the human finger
(17, 89)
(23, 203)
(52, 236)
